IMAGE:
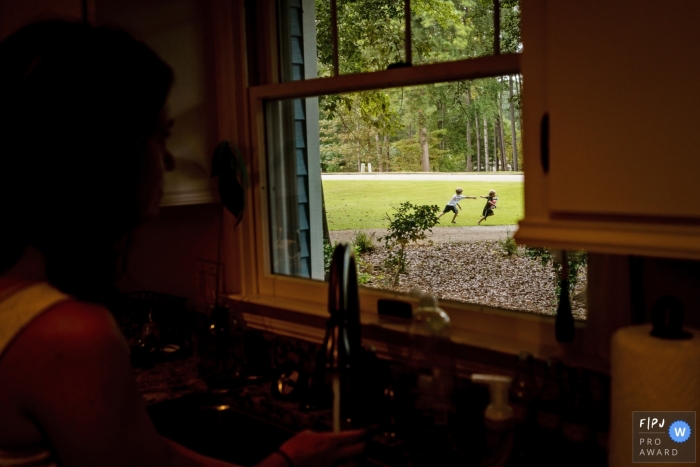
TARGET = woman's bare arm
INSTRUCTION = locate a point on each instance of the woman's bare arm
(72, 377)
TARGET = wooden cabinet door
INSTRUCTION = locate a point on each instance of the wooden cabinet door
(623, 100)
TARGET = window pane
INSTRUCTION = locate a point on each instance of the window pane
(341, 166)
(459, 29)
(371, 34)
(294, 181)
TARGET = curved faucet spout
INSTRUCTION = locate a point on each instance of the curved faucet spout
(343, 294)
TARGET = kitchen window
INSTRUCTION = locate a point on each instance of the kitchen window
(286, 244)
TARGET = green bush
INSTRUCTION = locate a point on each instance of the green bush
(409, 224)
(575, 259)
(363, 242)
(510, 248)
(362, 275)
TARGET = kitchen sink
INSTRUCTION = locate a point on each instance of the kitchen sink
(206, 424)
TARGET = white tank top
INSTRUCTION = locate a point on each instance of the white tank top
(18, 308)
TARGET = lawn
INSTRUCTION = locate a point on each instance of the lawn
(360, 204)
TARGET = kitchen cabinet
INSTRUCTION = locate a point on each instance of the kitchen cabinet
(618, 85)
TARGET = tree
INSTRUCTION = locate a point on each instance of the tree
(513, 130)
(421, 128)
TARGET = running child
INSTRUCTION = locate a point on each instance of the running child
(491, 200)
(453, 204)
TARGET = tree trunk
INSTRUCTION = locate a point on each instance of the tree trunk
(478, 145)
(442, 124)
(497, 159)
(518, 82)
(425, 157)
(513, 129)
(486, 145)
(504, 165)
(387, 148)
(468, 156)
(379, 152)
(504, 159)
(494, 166)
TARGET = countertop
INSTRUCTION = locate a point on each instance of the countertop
(169, 380)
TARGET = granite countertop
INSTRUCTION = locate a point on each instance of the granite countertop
(169, 380)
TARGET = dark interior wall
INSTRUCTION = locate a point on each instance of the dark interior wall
(16, 13)
(164, 253)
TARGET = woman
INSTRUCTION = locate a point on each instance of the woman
(83, 134)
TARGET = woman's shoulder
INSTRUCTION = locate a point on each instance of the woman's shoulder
(74, 322)
(70, 341)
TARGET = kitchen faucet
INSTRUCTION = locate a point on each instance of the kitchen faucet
(337, 362)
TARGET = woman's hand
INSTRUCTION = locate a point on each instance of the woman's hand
(310, 449)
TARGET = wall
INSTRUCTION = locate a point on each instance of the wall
(164, 253)
(16, 13)
(178, 31)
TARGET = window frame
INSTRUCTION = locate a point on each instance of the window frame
(249, 281)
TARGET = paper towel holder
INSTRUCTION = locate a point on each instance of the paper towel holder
(667, 319)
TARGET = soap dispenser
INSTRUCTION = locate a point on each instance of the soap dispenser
(499, 421)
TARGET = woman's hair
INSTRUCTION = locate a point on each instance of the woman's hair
(76, 106)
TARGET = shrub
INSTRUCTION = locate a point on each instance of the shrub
(409, 224)
(510, 248)
(363, 242)
(575, 259)
(362, 275)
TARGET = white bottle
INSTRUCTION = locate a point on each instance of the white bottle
(498, 419)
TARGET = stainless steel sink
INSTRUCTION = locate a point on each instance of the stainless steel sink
(207, 424)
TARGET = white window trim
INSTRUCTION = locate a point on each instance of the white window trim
(249, 278)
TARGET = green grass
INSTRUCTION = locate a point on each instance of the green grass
(359, 204)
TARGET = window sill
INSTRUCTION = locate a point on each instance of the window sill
(480, 335)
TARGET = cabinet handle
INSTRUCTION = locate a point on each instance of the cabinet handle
(544, 143)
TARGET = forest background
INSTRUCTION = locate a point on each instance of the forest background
(466, 126)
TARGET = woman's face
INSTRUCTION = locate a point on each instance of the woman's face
(157, 160)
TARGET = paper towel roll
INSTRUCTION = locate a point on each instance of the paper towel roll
(650, 374)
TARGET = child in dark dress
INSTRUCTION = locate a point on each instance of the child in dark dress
(491, 200)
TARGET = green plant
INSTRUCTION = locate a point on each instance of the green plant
(575, 259)
(362, 266)
(327, 257)
(510, 248)
(362, 275)
(541, 254)
(409, 224)
(363, 242)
